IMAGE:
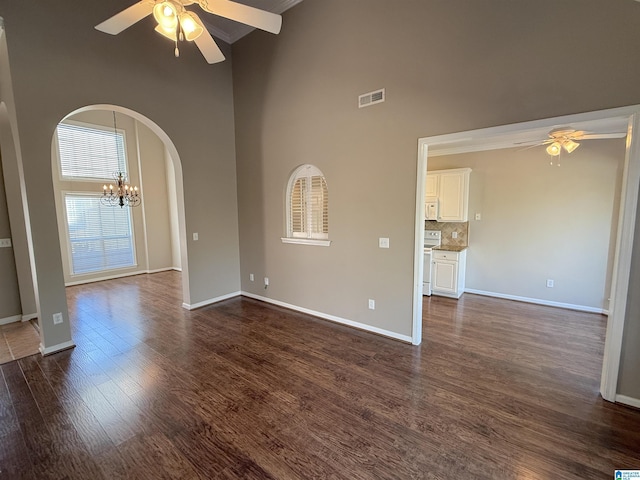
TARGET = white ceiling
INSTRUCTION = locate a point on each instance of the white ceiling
(522, 138)
(230, 31)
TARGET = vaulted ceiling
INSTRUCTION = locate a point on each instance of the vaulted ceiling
(230, 31)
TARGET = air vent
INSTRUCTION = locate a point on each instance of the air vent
(372, 98)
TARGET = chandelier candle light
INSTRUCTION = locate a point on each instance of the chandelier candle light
(122, 194)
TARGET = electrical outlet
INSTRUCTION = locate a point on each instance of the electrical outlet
(454, 235)
(549, 283)
(5, 242)
(372, 304)
(251, 277)
(195, 236)
(383, 242)
(57, 318)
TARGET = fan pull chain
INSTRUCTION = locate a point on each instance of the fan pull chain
(178, 34)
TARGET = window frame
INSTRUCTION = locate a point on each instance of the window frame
(306, 171)
(92, 126)
(72, 273)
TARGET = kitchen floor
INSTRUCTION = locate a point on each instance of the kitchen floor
(18, 340)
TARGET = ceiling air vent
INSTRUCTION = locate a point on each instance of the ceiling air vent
(371, 98)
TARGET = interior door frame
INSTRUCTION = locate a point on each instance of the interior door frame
(626, 225)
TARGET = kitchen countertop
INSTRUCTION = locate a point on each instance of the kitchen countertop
(450, 248)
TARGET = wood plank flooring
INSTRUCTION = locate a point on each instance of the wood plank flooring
(18, 340)
(241, 389)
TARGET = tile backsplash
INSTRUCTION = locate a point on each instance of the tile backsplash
(447, 228)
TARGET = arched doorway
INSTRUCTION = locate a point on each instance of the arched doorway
(158, 235)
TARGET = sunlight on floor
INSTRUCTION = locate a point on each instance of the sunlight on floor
(18, 340)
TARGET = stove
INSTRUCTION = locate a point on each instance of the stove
(432, 238)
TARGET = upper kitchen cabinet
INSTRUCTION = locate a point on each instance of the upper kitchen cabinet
(431, 187)
(451, 188)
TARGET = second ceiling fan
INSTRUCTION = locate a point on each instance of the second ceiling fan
(178, 23)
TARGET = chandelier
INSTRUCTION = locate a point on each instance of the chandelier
(121, 194)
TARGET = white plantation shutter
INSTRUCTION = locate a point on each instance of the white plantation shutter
(90, 153)
(298, 209)
(99, 236)
(308, 204)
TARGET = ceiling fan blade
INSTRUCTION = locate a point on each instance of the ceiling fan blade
(208, 47)
(126, 18)
(600, 136)
(270, 22)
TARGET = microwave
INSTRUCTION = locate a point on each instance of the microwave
(431, 209)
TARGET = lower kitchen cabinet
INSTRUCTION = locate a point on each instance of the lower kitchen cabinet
(448, 273)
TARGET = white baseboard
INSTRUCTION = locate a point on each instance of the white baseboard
(11, 319)
(332, 318)
(538, 301)
(120, 275)
(31, 316)
(632, 402)
(204, 303)
(56, 348)
(166, 269)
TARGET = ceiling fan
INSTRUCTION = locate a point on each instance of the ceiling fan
(566, 138)
(177, 23)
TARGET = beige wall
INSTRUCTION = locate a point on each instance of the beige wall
(541, 222)
(147, 170)
(14, 186)
(9, 289)
(447, 67)
(60, 63)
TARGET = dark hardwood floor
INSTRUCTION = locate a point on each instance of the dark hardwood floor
(241, 389)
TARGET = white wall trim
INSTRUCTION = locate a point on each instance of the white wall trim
(31, 316)
(158, 270)
(332, 318)
(418, 260)
(210, 301)
(537, 301)
(627, 218)
(11, 319)
(119, 275)
(56, 348)
(307, 241)
(632, 402)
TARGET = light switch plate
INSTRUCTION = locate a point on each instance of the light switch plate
(383, 242)
(195, 236)
(5, 242)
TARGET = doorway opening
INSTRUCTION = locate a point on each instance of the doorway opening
(517, 134)
(155, 230)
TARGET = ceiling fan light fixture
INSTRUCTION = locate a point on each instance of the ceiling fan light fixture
(191, 28)
(554, 149)
(166, 14)
(569, 145)
(170, 34)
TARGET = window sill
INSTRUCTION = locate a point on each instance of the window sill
(307, 241)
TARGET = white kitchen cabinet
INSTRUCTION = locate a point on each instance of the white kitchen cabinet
(431, 187)
(448, 273)
(452, 191)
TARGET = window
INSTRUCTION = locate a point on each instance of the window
(90, 152)
(99, 236)
(307, 207)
